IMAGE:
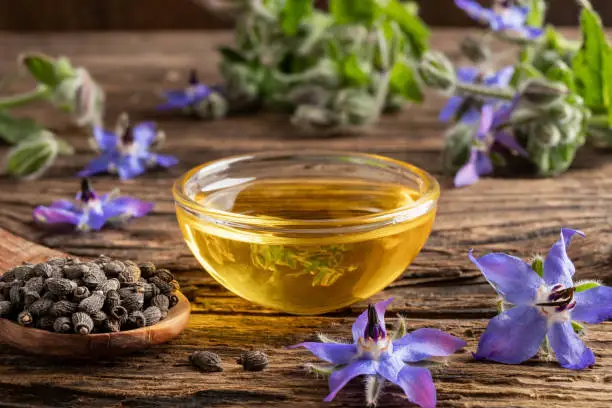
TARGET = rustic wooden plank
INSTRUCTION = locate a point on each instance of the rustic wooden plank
(441, 289)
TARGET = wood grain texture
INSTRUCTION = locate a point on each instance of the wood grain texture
(71, 15)
(441, 289)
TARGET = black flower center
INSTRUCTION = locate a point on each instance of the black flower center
(373, 329)
(560, 298)
(87, 193)
(127, 138)
(193, 78)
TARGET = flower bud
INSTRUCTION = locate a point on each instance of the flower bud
(356, 105)
(33, 156)
(475, 50)
(437, 71)
(213, 107)
(309, 95)
(546, 134)
(543, 93)
(457, 146)
(313, 117)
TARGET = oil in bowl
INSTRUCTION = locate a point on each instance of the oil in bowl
(306, 233)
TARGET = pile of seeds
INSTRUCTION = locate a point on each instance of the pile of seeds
(105, 295)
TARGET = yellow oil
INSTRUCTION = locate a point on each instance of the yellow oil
(301, 273)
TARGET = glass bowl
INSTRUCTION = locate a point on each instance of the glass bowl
(306, 232)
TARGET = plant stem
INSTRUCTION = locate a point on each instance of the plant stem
(600, 121)
(15, 101)
(506, 94)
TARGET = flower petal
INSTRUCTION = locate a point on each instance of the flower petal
(362, 321)
(449, 110)
(144, 134)
(468, 174)
(510, 276)
(467, 74)
(95, 219)
(417, 384)
(476, 11)
(558, 268)
(330, 352)
(47, 215)
(509, 142)
(425, 343)
(130, 167)
(390, 368)
(175, 100)
(97, 166)
(486, 120)
(501, 78)
(106, 141)
(513, 336)
(340, 378)
(127, 206)
(593, 305)
(163, 160)
(569, 349)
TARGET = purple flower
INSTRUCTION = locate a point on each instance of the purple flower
(90, 211)
(126, 152)
(374, 353)
(468, 108)
(505, 15)
(543, 308)
(487, 136)
(188, 97)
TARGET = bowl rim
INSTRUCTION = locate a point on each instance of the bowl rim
(426, 203)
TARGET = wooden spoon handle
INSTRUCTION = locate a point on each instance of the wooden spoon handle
(15, 251)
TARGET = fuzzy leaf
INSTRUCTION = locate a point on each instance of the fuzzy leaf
(403, 81)
(32, 157)
(293, 13)
(13, 130)
(586, 286)
(415, 29)
(538, 266)
(593, 63)
(232, 55)
(561, 72)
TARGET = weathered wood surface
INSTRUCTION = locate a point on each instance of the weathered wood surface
(441, 289)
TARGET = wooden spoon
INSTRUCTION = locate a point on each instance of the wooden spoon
(14, 251)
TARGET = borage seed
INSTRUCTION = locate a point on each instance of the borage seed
(83, 324)
(60, 287)
(62, 325)
(80, 293)
(112, 300)
(111, 284)
(5, 308)
(120, 314)
(253, 360)
(136, 320)
(25, 319)
(152, 315)
(161, 301)
(147, 269)
(206, 361)
(92, 304)
(63, 308)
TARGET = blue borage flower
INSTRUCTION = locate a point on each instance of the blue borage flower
(127, 151)
(187, 98)
(465, 108)
(488, 138)
(543, 308)
(90, 211)
(374, 353)
(503, 16)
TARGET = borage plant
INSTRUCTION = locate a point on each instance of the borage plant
(70, 89)
(534, 123)
(328, 70)
(383, 356)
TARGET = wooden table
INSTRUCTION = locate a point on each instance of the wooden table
(441, 289)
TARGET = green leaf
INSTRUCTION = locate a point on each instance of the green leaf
(354, 11)
(592, 64)
(578, 328)
(403, 81)
(411, 24)
(586, 286)
(13, 130)
(354, 72)
(32, 157)
(42, 68)
(293, 13)
(537, 13)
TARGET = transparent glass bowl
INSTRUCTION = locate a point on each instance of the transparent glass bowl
(306, 232)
